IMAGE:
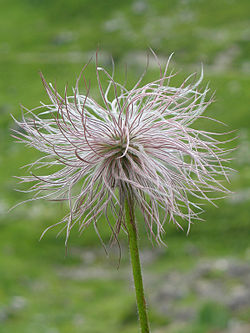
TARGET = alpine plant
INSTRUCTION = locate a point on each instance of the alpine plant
(139, 141)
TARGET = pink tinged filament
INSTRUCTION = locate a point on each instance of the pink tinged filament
(141, 139)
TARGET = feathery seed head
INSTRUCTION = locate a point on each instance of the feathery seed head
(139, 140)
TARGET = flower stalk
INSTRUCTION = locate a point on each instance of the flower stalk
(135, 262)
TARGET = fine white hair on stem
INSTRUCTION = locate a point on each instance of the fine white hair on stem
(137, 140)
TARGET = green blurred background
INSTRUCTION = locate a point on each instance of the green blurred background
(199, 283)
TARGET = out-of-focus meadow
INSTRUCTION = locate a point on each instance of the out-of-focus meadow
(201, 282)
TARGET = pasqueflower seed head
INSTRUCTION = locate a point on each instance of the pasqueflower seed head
(139, 140)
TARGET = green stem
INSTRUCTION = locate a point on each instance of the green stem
(136, 265)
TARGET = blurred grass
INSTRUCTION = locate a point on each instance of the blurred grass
(57, 38)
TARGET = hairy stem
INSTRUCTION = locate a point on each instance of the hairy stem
(136, 265)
